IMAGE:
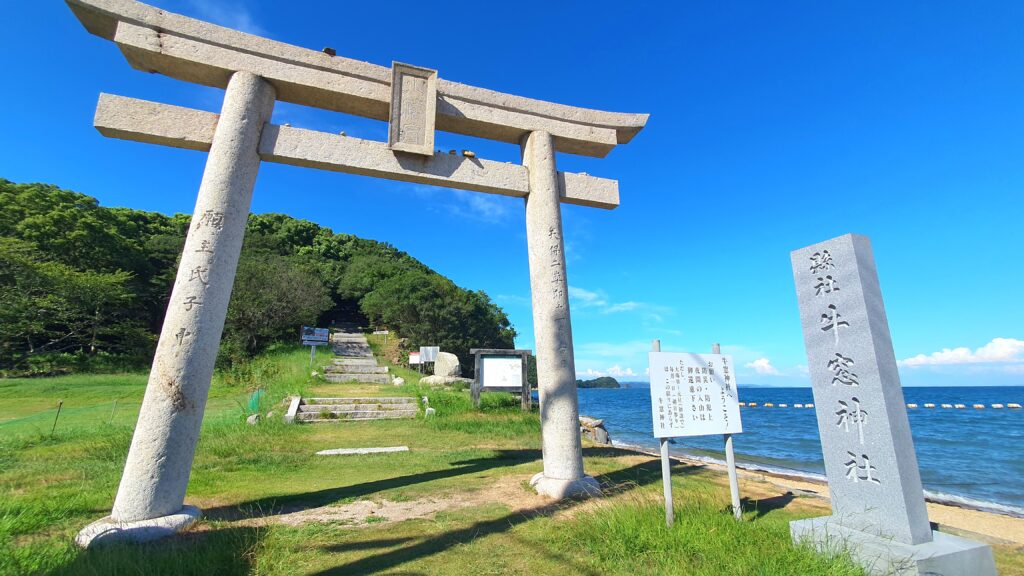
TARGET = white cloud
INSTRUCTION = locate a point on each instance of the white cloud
(998, 351)
(484, 207)
(513, 299)
(615, 371)
(623, 307)
(229, 13)
(582, 298)
(465, 205)
(586, 298)
(764, 366)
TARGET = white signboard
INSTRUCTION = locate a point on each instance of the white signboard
(693, 395)
(502, 371)
(429, 353)
(414, 358)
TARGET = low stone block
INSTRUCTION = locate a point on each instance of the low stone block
(357, 451)
(946, 554)
(443, 380)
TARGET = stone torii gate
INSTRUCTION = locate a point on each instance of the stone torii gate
(255, 72)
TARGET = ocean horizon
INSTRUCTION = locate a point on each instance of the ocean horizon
(965, 456)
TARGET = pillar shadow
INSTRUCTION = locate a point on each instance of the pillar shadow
(616, 482)
(288, 503)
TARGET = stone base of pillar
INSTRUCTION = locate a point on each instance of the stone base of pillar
(946, 554)
(559, 489)
(107, 530)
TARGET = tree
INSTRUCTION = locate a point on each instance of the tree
(50, 308)
(273, 296)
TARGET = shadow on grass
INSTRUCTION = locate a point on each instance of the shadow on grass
(289, 503)
(762, 507)
(226, 551)
(616, 482)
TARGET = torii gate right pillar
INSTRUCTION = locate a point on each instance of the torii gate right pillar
(556, 370)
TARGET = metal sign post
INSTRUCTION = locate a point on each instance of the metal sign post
(730, 462)
(314, 337)
(666, 465)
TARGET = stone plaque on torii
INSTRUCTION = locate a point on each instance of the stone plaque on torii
(255, 72)
(878, 509)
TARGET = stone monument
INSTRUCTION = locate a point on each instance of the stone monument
(878, 508)
(255, 72)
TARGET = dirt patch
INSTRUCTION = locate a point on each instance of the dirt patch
(506, 490)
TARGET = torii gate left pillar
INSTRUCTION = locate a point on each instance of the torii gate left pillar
(254, 71)
(150, 499)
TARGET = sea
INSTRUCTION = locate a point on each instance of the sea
(969, 458)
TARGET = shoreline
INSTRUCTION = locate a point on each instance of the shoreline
(949, 513)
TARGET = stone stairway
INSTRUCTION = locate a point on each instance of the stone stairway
(353, 360)
(354, 409)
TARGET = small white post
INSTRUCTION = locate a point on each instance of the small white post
(730, 462)
(666, 465)
(312, 356)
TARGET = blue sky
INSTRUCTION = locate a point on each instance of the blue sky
(773, 126)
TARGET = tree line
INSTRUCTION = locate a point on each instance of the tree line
(85, 287)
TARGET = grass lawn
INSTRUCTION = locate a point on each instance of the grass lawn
(457, 503)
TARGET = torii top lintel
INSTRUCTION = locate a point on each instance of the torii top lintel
(195, 51)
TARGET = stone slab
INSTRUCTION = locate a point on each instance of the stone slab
(108, 531)
(195, 51)
(868, 451)
(413, 107)
(360, 451)
(293, 409)
(155, 123)
(945, 554)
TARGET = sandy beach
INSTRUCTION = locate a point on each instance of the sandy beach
(761, 485)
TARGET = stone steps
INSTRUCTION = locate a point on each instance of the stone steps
(355, 416)
(350, 409)
(354, 361)
(361, 400)
(355, 407)
(363, 378)
(371, 361)
(353, 354)
(356, 369)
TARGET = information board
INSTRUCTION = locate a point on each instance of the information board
(311, 334)
(414, 358)
(502, 371)
(693, 395)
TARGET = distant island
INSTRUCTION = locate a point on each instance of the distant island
(602, 382)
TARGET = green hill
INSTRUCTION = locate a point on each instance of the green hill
(601, 382)
(83, 286)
